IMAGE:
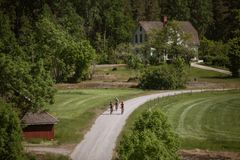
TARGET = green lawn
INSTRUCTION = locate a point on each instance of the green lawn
(46, 156)
(208, 120)
(204, 74)
(122, 73)
(215, 66)
(219, 79)
(77, 109)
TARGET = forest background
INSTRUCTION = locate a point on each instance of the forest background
(43, 42)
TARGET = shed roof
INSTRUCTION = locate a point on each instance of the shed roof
(185, 26)
(38, 118)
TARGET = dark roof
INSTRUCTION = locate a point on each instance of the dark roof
(150, 25)
(186, 27)
(38, 118)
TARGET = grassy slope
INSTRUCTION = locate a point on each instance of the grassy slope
(203, 120)
(210, 76)
(123, 74)
(77, 109)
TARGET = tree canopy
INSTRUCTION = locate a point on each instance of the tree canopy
(47, 29)
(46, 42)
(10, 139)
(234, 56)
(151, 137)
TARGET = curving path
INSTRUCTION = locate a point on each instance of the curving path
(210, 68)
(99, 142)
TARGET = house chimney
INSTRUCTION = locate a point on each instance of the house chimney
(165, 20)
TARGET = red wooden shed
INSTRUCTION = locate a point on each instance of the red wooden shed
(38, 125)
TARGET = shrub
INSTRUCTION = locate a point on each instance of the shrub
(133, 61)
(180, 72)
(114, 68)
(164, 77)
(213, 52)
(10, 134)
(234, 56)
(150, 138)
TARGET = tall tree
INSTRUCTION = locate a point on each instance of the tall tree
(224, 13)
(27, 38)
(201, 14)
(176, 9)
(68, 18)
(116, 24)
(61, 52)
(234, 56)
(152, 10)
(10, 134)
(24, 84)
(138, 9)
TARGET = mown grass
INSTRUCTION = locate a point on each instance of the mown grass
(215, 66)
(119, 73)
(221, 80)
(123, 74)
(208, 120)
(77, 109)
(47, 156)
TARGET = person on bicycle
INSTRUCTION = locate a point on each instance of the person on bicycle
(116, 103)
(122, 107)
(111, 107)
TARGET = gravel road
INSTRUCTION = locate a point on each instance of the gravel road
(99, 142)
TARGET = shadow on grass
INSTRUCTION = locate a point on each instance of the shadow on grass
(111, 114)
(220, 77)
(72, 93)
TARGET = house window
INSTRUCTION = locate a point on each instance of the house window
(136, 38)
(140, 28)
(141, 40)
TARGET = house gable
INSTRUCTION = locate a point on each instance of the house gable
(144, 27)
(139, 35)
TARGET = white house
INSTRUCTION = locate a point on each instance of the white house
(145, 27)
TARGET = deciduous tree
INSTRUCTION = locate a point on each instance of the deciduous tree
(150, 138)
(10, 134)
(234, 56)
